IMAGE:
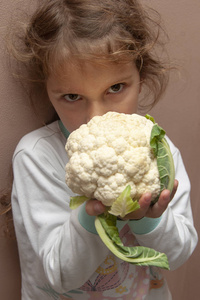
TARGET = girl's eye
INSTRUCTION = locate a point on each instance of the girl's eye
(72, 97)
(116, 88)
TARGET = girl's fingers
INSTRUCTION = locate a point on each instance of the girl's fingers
(161, 205)
(174, 189)
(144, 203)
(94, 207)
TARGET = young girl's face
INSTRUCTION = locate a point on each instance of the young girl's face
(82, 90)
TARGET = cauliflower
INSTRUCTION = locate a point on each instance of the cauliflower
(115, 158)
(109, 153)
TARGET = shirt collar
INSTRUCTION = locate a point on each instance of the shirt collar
(63, 129)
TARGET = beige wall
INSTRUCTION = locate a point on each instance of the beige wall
(178, 113)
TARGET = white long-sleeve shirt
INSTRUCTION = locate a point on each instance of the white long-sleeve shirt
(61, 255)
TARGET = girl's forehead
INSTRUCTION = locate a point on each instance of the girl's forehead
(79, 52)
(74, 65)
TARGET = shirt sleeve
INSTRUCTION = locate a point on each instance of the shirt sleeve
(68, 252)
(174, 233)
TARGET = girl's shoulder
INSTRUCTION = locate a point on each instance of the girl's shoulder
(173, 148)
(46, 137)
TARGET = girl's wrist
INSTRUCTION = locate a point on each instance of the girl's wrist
(86, 221)
(144, 225)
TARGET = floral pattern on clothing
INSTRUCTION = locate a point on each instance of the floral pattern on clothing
(157, 280)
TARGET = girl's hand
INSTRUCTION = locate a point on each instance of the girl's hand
(155, 211)
(95, 207)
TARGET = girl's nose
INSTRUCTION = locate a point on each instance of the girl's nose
(96, 108)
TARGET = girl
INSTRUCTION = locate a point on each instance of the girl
(91, 57)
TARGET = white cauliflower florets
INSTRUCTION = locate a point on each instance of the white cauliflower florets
(109, 153)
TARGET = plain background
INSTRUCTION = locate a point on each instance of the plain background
(178, 113)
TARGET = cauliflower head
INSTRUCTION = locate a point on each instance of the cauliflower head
(109, 153)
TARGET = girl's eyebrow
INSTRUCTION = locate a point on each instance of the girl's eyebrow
(57, 91)
(116, 81)
(122, 79)
(63, 90)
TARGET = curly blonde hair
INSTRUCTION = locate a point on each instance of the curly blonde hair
(106, 30)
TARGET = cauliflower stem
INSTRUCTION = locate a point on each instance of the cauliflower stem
(142, 256)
